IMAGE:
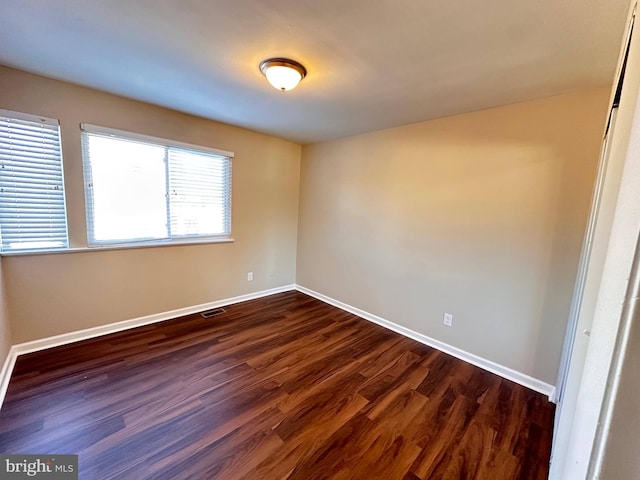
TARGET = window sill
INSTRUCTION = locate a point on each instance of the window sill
(123, 246)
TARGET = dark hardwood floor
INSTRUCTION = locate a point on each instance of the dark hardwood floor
(281, 387)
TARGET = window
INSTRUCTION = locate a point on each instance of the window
(32, 208)
(141, 188)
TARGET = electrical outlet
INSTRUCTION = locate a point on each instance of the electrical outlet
(250, 277)
(448, 319)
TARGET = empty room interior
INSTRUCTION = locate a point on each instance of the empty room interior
(312, 240)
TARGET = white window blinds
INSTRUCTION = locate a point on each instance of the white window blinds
(199, 193)
(32, 206)
(142, 188)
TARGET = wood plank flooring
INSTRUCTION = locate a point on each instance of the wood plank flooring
(281, 387)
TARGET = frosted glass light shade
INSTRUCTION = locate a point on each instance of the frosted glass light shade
(283, 74)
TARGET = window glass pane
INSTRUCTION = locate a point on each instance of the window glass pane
(128, 185)
(141, 188)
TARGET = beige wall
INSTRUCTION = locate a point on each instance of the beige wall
(5, 330)
(58, 293)
(480, 215)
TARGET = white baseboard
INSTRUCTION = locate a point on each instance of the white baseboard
(71, 337)
(5, 373)
(502, 371)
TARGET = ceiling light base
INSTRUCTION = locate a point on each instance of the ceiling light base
(282, 73)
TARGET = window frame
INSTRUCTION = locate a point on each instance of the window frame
(59, 164)
(225, 237)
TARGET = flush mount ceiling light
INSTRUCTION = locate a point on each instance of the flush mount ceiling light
(282, 73)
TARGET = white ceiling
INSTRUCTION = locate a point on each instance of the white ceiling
(372, 63)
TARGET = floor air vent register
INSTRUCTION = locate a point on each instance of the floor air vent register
(213, 312)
